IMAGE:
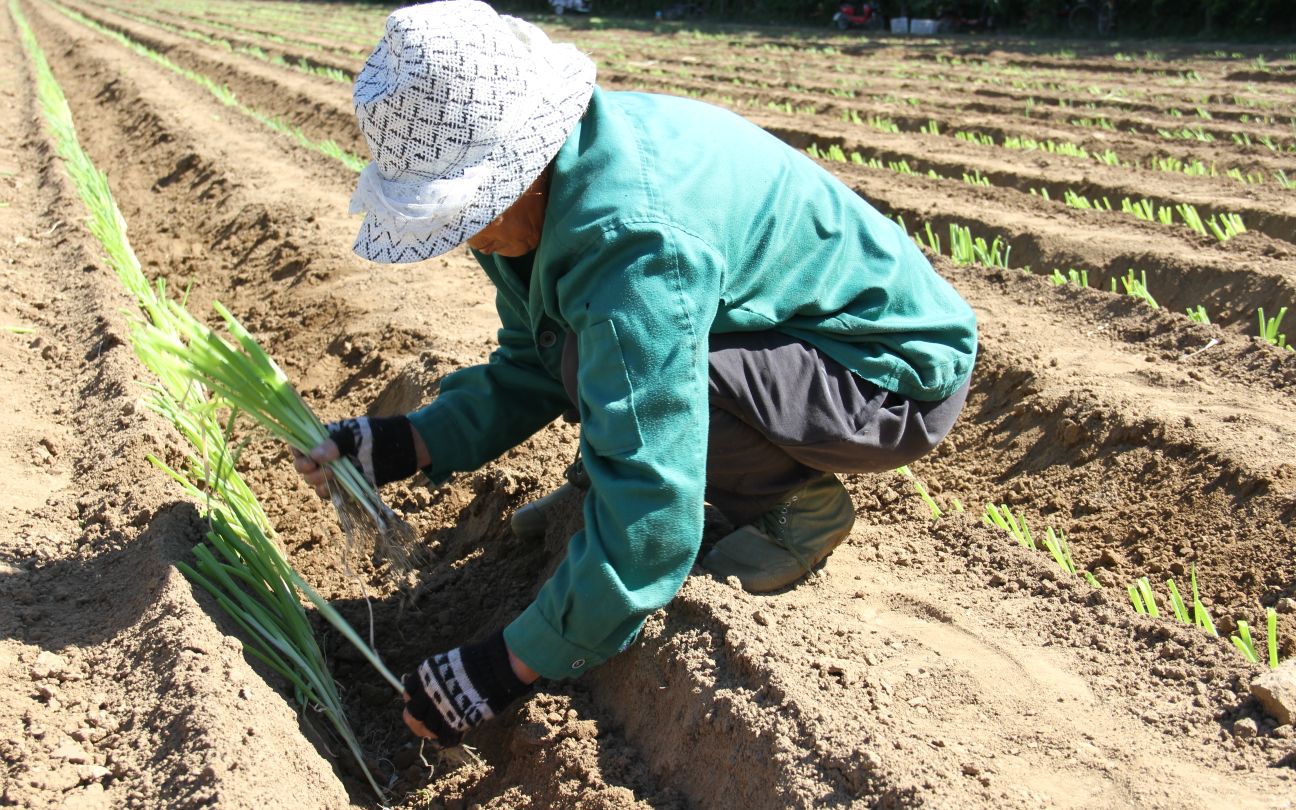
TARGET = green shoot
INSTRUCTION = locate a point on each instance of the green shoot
(1136, 600)
(1080, 278)
(1191, 218)
(1136, 287)
(1269, 328)
(1198, 314)
(1004, 518)
(1201, 616)
(1144, 588)
(1177, 603)
(921, 490)
(1244, 643)
(1225, 226)
(1271, 619)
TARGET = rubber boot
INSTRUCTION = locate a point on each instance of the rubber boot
(787, 542)
(531, 521)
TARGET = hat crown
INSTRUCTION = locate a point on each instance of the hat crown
(449, 82)
(462, 108)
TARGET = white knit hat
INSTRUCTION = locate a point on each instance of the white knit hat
(462, 108)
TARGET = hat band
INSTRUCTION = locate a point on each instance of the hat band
(426, 207)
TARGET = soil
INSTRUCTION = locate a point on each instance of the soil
(928, 663)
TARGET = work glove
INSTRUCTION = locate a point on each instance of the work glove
(453, 692)
(381, 446)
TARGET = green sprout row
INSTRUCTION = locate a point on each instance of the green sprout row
(1143, 597)
(1223, 226)
(1140, 591)
(1136, 286)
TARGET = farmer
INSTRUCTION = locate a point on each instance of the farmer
(730, 323)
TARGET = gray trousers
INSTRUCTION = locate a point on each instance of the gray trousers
(783, 413)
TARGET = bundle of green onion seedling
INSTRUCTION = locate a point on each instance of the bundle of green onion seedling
(244, 571)
(241, 373)
(247, 574)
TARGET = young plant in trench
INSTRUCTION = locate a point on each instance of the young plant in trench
(1269, 329)
(1136, 287)
(1054, 542)
(1079, 278)
(926, 496)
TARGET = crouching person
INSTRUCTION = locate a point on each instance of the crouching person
(730, 322)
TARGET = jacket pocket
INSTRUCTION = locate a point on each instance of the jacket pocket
(608, 419)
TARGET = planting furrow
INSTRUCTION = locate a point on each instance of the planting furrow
(297, 56)
(117, 683)
(308, 104)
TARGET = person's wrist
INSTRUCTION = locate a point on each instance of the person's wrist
(422, 457)
(524, 673)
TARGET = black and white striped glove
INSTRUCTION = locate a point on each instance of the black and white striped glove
(381, 446)
(455, 691)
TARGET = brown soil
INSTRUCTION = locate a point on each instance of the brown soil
(931, 663)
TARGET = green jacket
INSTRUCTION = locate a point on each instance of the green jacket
(667, 220)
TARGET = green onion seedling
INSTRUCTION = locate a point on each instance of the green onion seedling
(1244, 643)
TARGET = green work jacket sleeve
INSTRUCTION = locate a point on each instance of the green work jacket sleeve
(640, 302)
(483, 411)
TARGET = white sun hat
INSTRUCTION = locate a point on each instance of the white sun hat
(463, 108)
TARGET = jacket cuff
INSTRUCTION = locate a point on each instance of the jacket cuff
(541, 647)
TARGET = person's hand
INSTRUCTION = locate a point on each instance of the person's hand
(384, 449)
(416, 726)
(453, 692)
(311, 467)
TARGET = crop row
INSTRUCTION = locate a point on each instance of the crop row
(1223, 226)
(240, 564)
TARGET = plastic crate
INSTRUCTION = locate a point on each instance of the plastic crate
(899, 25)
(923, 27)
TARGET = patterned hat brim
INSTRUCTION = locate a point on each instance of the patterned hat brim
(513, 166)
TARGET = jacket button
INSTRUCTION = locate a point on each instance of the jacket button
(578, 663)
(547, 339)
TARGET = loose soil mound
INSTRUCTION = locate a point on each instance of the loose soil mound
(928, 663)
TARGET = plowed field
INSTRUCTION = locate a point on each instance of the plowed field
(929, 663)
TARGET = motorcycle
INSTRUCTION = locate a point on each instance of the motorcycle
(864, 16)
